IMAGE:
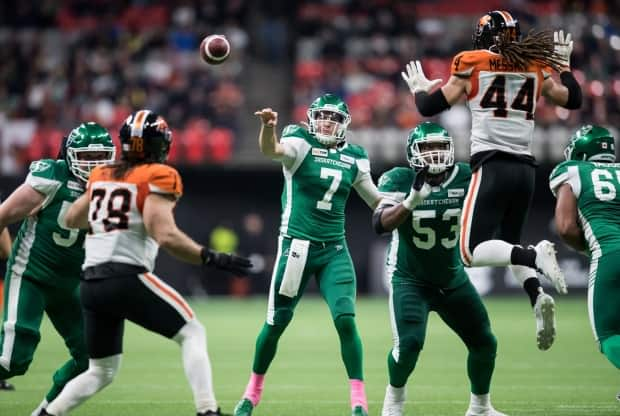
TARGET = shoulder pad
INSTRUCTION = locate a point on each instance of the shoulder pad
(464, 63)
(44, 168)
(295, 130)
(394, 178)
(164, 179)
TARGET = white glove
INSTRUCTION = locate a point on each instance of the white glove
(563, 46)
(420, 189)
(416, 80)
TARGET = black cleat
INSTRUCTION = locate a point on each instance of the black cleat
(43, 412)
(5, 385)
(218, 412)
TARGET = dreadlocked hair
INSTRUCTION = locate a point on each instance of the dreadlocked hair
(537, 48)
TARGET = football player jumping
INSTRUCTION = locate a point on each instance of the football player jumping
(320, 169)
(502, 80)
(587, 217)
(128, 207)
(45, 265)
(421, 207)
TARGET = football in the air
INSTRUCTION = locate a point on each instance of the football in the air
(214, 49)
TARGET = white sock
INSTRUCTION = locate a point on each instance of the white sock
(396, 393)
(479, 401)
(100, 373)
(42, 406)
(522, 273)
(193, 341)
(491, 253)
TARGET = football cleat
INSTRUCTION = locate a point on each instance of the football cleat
(544, 310)
(547, 264)
(484, 411)
(218, 412)
(244, 408)
(391, 405)
(359, 411)
(5, 385)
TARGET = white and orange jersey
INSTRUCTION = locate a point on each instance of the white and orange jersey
(117, 231)
(502, 100)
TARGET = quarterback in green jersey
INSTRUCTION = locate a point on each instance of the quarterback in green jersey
(320, 169)
(44, 267)
(587, 217)
(422, 206)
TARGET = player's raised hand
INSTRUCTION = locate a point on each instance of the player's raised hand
(224, 261)
(420, 189)
(267, 116)
(416, 80)
(563, 46)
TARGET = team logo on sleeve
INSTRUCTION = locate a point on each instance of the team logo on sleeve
(39, 166)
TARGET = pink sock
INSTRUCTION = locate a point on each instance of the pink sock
(358, 394)
(254, 390)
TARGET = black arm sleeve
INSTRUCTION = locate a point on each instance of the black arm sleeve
(574, 90)
(376, 221)
(429, 105)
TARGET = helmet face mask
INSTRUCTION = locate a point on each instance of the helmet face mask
(145, 137)
(328, 119)
(491, 26)
(430, 145)
(87, 146)
(591, 143)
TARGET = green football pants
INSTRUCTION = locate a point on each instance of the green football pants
(25, 301)
(460, 308)
(604, 304)
(332, 267)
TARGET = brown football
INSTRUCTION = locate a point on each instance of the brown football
(214, 49)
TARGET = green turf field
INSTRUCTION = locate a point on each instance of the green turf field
(308, 378)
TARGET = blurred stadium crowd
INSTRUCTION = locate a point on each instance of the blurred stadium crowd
(66, 61)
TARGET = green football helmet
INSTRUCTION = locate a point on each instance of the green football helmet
(591, 143)
(430, 145)
(87, 146)
(328, 119)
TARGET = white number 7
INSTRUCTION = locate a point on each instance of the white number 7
(326, 173)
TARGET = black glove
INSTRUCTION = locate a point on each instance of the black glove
(420, 178)
(223, 261)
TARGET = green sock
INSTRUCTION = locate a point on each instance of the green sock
(266, 346)
(350, 346)
(64, 374)
(480, 366)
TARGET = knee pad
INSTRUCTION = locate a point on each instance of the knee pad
(344, 306)
(192, 329)
(409, 348)
(105, 369)
(282, 317)
(484, 346)
(611, 348)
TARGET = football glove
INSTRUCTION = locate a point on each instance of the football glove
(416, 80)
(420, 189)
(224, 261)
(563, 46)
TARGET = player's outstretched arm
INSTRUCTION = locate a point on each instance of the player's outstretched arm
(267, 139)
(568, 93)
(5, 244)
(566, 219)
(428, 103)
(77, 215)
(25, 200)
(160, 224)
(387, 217)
